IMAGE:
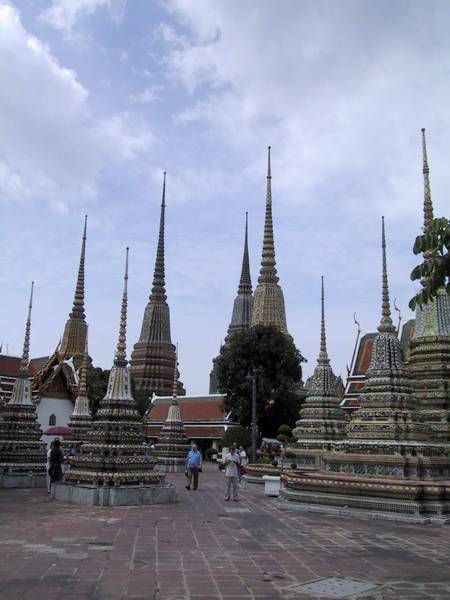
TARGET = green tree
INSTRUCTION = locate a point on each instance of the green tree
(434, 271)
(278, 365)
(236, 435)
(97, 382)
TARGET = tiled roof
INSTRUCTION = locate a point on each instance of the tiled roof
(364, 355)
(9, 365)
(193, 408)
(191, 431)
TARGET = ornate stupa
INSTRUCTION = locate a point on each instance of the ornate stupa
(321, 418)
(173, 445)
(386, 465)
(243, 303)
(153, 357)
(23, 456)
(430, 348)
(388, 407)
(80, 421)
(268, 299)
(113, 466)
(58, 376)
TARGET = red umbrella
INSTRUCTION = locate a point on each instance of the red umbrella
(58, 430)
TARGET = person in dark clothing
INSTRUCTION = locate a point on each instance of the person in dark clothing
(55, 462)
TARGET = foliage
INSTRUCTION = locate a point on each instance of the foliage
(236, 435)
(278, 370)
(97, 382)
(281, 437)
(285, 430)
(434, 272)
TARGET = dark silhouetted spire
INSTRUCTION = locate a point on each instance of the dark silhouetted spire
(268, 272)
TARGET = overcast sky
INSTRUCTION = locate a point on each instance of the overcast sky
(98, 97)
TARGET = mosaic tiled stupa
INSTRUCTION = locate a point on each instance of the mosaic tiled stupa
(113, 467)
(386, 465)
(172, 446)
(23, 455)
(153, 357)
(268, 299)
(430, 348)
(322, 420)
(80, 421)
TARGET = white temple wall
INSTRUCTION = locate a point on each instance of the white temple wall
(59, 408)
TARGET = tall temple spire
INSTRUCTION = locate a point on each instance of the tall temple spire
(80, 420)
(268, 271)
(153, 356)
(120, 359)
(158, 289)
(386, 323)
(323, 355)
(21, 393)
(243, 303)
(427, 202)
(175, 379)
(26, 342)
(245, 282)
(268, 305)
(74, 337)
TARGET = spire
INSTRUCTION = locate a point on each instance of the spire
(26, 343)
(386, 321)
(82, 386)
(245, 283)
(74, 337)
(78, 301)
(158, 288)
(427, 202)
(120, 359)
(323, 356)
(268, 272)
(175, 380)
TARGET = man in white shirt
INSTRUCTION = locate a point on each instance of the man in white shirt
(231, 474)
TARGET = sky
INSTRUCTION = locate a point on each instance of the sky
(99, 97)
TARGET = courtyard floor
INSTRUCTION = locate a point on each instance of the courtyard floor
(203, 548)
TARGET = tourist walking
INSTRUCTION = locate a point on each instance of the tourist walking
(193, 467)
(244, 460)
(231, 474)
(55, 462)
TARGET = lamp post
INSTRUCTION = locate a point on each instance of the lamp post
(253, 380)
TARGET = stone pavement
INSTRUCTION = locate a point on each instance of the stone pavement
(206, 549)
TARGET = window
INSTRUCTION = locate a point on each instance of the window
(52, 420)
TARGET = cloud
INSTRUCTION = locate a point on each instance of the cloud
(53, 147)
(66, 15)
(147, 96)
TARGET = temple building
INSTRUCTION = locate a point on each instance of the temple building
(172, 446)
(10, 371)
(113, 467)
(153, 358)
(386, 465)
(321, 419)
(204, 418)
(57, 381)
(430, 347)
(23, 455)
(268, 299)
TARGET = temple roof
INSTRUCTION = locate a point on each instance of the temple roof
(192, 408)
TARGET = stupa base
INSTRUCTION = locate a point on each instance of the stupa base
(170, 467)
(23, 480)
(412, 501)
(121, 495)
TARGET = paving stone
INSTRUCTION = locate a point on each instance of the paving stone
(198, 550)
